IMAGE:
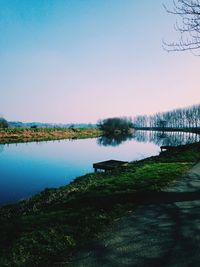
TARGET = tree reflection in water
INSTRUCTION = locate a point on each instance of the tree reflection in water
(113, 140)
(1, 148)
(157, 137)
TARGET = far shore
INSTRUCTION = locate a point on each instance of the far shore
(22, 135)
(170, 129)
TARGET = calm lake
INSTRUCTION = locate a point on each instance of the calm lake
(28, 168)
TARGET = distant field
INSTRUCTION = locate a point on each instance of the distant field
(15, 135)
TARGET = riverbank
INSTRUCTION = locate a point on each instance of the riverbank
(48, 227)
(22, 135)
(170, 129)
(163, 232)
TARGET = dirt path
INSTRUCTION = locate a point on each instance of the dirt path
(165, 233)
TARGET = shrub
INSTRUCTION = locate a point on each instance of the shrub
(112, 126)
(3, 123)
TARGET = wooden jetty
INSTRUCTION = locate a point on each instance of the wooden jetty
(109, 165)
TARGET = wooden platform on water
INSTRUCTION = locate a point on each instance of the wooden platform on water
(109, 165)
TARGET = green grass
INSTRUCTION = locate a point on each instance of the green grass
(186, 153)
(51, 225)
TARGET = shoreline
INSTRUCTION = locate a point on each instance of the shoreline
(57, 222)
(26, 135)
(186, 130)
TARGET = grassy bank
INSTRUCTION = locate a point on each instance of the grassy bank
(20, 135)
(48, 227)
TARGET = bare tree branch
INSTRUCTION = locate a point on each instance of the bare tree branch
(188, 26)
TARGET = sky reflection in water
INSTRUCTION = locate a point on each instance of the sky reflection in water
(26, 169)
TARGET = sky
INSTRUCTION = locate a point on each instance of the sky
(78, 61)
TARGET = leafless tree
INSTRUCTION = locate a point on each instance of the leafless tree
(178, 118)
(188, 25)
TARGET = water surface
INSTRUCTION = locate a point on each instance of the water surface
(26, 169)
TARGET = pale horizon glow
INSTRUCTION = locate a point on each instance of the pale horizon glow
(77, 61)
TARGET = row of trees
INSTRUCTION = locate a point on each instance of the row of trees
(178, 118)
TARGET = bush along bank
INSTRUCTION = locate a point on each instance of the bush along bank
(48, 227)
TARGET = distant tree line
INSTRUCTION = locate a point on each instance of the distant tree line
(178, 118)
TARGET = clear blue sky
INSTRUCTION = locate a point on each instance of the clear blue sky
(81, 60)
